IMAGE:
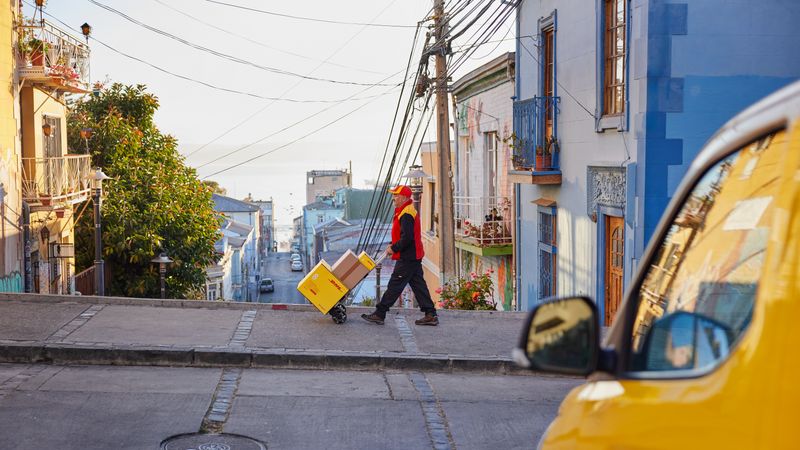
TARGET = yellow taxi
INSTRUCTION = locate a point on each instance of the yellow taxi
(703, 353)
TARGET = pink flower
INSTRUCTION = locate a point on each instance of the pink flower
(473, 275)
(466, 222)
(468, 285)
(438, 290)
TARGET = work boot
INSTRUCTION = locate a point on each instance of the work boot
(430, 319)
(374, 318)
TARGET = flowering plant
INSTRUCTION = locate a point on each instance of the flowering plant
(66, 72)
(474, 292)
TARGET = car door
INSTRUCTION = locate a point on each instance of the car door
(699, 347)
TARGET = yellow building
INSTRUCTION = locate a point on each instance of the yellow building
(44, 181)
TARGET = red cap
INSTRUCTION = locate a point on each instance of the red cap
(405, 191)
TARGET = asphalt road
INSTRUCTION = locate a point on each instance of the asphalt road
(278, 267)
(116, 407)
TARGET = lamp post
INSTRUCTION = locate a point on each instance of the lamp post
(162, 260)
(86, 29)
(415, 175)
(97, 193)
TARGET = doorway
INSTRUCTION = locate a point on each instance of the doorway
(614, 265)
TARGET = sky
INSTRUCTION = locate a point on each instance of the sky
(205, 120)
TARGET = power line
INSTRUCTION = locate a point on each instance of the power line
(261, 44)
(222, 54)
(311, 19)
(203, 83)
(289, 126)
(316, 130)
(247, 119)
(224, 89)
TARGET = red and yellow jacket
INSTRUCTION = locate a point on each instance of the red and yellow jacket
(406, 234)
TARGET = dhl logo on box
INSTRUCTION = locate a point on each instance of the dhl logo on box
(321, 288)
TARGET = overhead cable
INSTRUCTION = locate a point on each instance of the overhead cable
(223, 55)
(311, 19)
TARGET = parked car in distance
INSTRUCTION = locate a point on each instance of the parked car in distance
(297, 266)
(266, 285)
(699, 354)
(295, 257)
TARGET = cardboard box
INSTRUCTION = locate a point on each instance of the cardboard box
(350, 270)
(322, 288)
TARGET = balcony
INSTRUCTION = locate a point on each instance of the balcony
(51, 183)
(53, 58)
(483, 225)
(536, 148)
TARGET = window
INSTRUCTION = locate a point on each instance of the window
(697, 298)
(490, 144)
(614, 49)
(548, 83)
(547, 251)
(51, 139)
(432, 202)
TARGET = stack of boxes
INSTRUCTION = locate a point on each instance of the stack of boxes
(324, 285)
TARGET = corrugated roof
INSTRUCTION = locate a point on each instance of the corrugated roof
(228, 204)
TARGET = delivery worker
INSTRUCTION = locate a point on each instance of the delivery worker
(406, 249)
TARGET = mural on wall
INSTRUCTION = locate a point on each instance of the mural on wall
(501, 271)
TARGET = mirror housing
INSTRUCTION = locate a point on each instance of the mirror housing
(561, 336)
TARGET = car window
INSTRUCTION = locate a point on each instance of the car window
(698, 294)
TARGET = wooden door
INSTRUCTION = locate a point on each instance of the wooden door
(614, 256)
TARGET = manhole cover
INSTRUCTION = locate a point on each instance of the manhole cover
(196, 441)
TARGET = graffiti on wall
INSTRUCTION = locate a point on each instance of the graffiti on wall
(11, 283)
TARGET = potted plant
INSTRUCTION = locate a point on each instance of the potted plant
(38, 48)
(544, 153)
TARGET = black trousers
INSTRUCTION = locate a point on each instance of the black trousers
(406, 272)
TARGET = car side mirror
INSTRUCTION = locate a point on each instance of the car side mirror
(684, 340)
(561, 336)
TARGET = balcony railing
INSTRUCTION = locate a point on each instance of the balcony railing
(56, 181)
(535, 121)
(483, 221)
(54, 58)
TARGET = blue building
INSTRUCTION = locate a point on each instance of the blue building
(614, 98)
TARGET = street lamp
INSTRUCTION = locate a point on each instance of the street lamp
(86, 29)
(162, 260)
(97, 193)
(415, 175)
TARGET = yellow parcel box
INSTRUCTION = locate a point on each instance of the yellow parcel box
(321, 288)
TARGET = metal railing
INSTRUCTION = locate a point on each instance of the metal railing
(62, 179)
(483, 221)
(534, 121)
(52, 52)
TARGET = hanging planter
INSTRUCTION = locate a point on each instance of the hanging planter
(60, 213)
(45, 199)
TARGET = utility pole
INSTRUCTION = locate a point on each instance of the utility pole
(444, 183)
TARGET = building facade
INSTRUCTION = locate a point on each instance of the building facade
(614, 98)
(42, 181)
(323, 183)
(483, 200)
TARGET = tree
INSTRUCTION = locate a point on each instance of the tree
(215, 187)
(153, 202)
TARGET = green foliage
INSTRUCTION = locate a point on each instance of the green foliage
(367, 301)
(474, 293)
(153, 202)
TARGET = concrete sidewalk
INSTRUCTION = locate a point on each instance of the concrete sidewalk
(127, 331)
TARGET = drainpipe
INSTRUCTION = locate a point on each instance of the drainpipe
(26, 243)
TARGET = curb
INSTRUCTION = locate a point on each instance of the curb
(204, 304)
(277, 359)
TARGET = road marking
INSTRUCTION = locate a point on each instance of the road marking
(75, 323)
(243, 330)
(406, 335)
(14, 382)
(435, 420)
(220, 407)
